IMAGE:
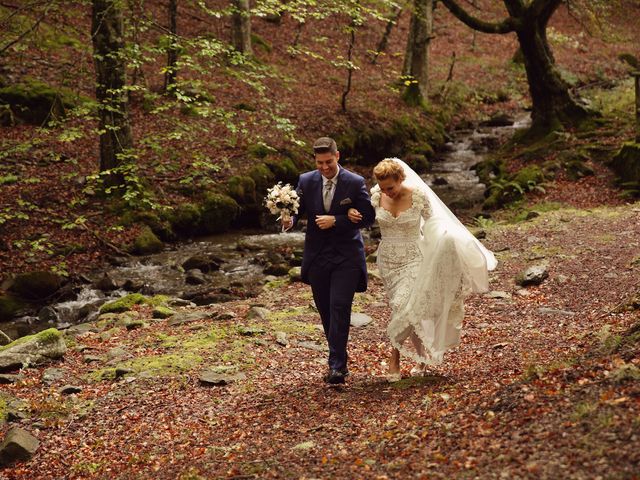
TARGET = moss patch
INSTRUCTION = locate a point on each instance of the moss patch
(147, 243)
(218, 212)
(123, 304)
(51, 335)
(9, 306)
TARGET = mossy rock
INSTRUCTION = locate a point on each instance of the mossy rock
(123, 304)
(507, 190)
(242, 189)
(577, 169)
(36, 285)
(218, 212)
(626, 164)
(418, 162)
(283, 168)
(162, 312)
(9, 306)
(36, 102)
(490, 169)
(260, 150)
(160, 226)
(263, 176)
(147, 243)
(185, 219)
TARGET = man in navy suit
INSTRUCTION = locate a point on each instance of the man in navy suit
(333, 262)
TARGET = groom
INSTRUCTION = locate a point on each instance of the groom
(333, 262)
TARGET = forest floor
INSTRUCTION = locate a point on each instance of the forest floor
(545, 383)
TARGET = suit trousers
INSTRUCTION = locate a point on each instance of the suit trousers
(333, 285)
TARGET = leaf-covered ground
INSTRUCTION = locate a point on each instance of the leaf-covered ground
(546, 382)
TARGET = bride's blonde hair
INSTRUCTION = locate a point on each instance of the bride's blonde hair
(387, 168)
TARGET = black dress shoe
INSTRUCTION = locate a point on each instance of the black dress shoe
(335, 377)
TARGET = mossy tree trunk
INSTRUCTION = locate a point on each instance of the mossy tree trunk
(553, 104)
(116, 141)
(172, 51)
(416, 62)
(241, 26)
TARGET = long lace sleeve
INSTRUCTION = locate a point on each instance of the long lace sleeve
(423, 204)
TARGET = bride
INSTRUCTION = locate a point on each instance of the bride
(429, 262)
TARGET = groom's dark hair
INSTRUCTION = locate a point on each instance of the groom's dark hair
(324, 145)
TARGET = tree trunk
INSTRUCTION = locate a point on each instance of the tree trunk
(172, 52)
(553, 104)
(116, 140)
(241, 26)
(416, 65)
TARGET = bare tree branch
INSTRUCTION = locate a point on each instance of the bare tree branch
(507, 25)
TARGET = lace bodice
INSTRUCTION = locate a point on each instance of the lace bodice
(406, 226)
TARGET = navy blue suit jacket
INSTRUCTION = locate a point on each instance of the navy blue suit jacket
(344, 236)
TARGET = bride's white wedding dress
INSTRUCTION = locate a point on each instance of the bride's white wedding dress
(429, 263)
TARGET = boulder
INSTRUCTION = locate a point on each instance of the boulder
(195, 277)
(17, 445)
(260, 313)
(147, 243)
(36, 285)
(213, 377)
(295, 274)
(32, 350)
(204, 263)
(162, 312)
(9, 307)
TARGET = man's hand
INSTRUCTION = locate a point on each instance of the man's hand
(325, 221)
(354, 215)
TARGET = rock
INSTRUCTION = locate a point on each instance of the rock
(531, 215)
(118, 353)
(52, 375)
(533, 275)
(69, 389)
(147, 243)
(226, 316)
(17, 445)
(360, 320)
(162, 312)
(282, 338)
(211, 298)
(498, 295)
(32, 350)
(133, 324)
(295, 274)
(182, 318)
(92, 358)
(258, 312)
(180, 302)
(10, 306)
(48, 315)
(122, 371)
(36, 285)
(212, 377)
(133, 285)
(81, 329)
(123, 304)
(250, 331)
(106, 283)
(313, 346)
(195, 277)
(277, 269)
(204, 263)
(499, 120)
(9, 378)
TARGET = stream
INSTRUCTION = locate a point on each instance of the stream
(235, 265)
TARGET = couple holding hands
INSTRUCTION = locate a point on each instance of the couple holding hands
(429, 262)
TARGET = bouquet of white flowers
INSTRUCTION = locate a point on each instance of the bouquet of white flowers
(282, 200)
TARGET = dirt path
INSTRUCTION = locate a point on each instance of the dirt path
(544, 384)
